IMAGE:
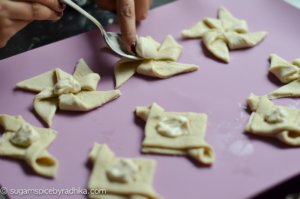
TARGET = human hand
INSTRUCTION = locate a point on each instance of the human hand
(15, 15)
(128, 12)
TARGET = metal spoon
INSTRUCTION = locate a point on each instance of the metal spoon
(112, 39)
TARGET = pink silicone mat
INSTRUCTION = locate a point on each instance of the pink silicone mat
(244, 165)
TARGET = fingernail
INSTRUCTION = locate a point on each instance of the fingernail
(59, 14)
(133, 47)
(62, 6)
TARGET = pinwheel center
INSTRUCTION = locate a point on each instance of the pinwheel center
(147, 48)
(24, 136)
(123, 171)
(147, 54)
(66, 86)
(173, 126)
(221, 34)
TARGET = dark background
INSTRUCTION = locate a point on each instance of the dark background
(40, 33)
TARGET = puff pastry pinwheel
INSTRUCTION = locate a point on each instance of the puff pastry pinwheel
(159, 60)
(175, 133)
(287, 73)
(122, 178)
(58, 89)
(224, 34)
(270, 120)
(23, 141)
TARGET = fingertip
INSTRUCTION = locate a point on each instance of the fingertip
(141, 16)
(55, 16)
(41, 12)
(5, 36)
(3, 44)
(127, 46)
(133, 48)
(129, 42)
(60, 14)
(62, 6)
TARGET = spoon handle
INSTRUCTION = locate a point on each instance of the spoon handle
(86, 14)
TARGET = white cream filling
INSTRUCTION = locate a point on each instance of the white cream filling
(65, 86)
(24, 136)
(123, 171)
(277, 115)
(173, 126)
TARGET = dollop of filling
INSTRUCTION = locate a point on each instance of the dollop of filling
(173, 126)
(123, 171)
(65, 86)
(277, 115)
(24, 136)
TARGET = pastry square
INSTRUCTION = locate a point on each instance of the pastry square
(175, 133)
(120, 177)
(270, 120)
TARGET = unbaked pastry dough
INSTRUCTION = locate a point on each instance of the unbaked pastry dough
(160, 60)
(270, 120)
(224, 34)
(58, 89)
(122, 178)
(287, 73)
(23, 141)
(182, 133)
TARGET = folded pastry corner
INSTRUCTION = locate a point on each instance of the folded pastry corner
(288, 74)
(175, 133)
(270, 120)
(23, 141)
(121, 177)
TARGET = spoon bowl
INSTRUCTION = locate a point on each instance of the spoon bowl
(112, 39)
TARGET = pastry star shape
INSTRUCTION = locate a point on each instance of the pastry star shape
(122, 178)
(23, 141)
(270, 120)
(224, 34)
(175, 133)
(287, 73)
(58, 89)
(159, 60)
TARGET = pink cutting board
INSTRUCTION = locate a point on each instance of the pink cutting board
(244, 165)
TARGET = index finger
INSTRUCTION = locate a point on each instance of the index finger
(126, 15)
